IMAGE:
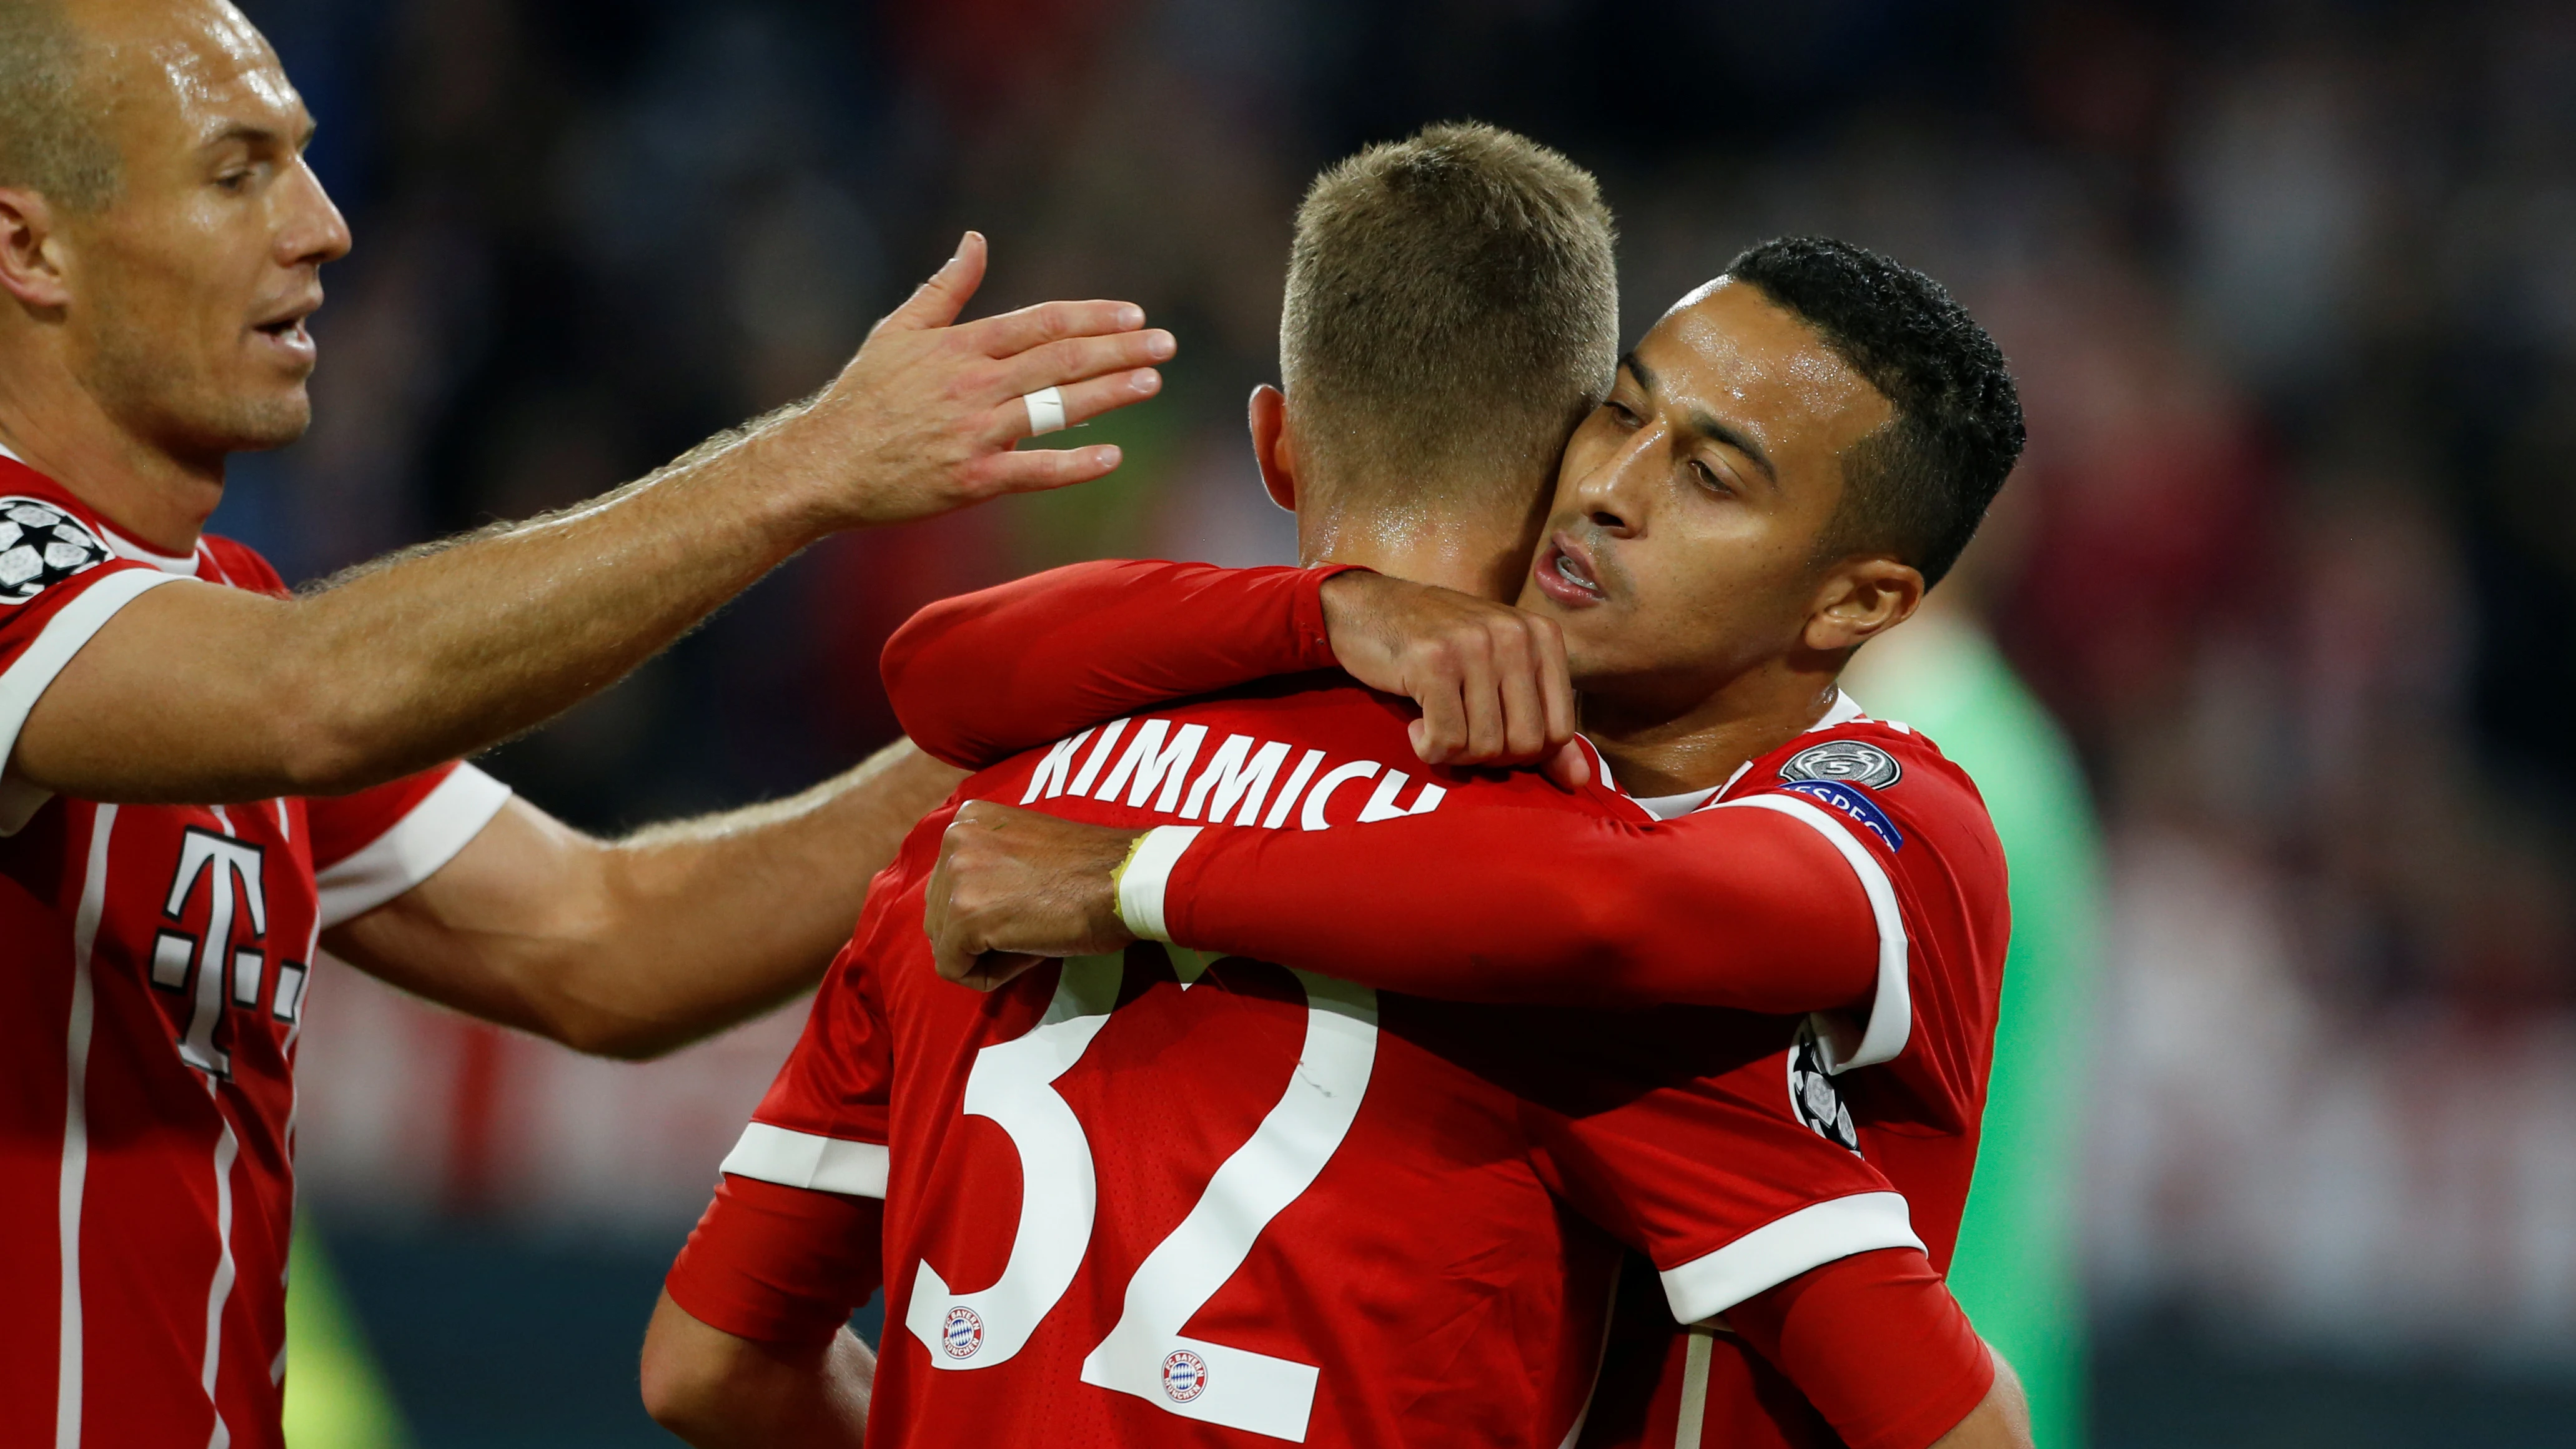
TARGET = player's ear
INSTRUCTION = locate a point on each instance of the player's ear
(1272, 447)
(1860, 599)
(31, 251)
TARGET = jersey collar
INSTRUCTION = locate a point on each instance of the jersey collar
(184, 565)
(1845, 711)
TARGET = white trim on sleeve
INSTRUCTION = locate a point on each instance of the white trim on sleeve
(414, 848)
(1891, 1010)
(1145, 876)
(807, 1160)
(1783, 1248)
(26, 681)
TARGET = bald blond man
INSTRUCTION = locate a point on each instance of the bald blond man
(208, 779)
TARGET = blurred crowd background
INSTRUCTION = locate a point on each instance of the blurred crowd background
(2291, 289)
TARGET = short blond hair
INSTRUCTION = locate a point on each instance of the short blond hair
(1452, 312)
(51, 138)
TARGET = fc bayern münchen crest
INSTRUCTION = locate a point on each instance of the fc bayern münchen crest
(40, 545)
(1813, 1095)
(962, 1333)
(1184, 1376)
(1849, 761)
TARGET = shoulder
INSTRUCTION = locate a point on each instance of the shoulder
(47, 537)
(238, 564)
(1887, 764)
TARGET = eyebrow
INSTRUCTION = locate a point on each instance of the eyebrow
(1707, 424)
(254, 134)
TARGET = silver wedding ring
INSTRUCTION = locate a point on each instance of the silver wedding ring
(1046, 411)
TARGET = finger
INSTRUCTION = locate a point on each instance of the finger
(1516, 674)
(1079, 402)
(1442, 731)
(937, 302)
(1556, 681)
(1569, 766)
(1484, 705)
(1081, 358)
(1035, 470)
(996, 969)
(1013, 333)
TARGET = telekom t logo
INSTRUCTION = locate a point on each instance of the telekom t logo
(231, 870)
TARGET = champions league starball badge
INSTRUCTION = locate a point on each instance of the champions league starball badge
(40, 545)
(1813, 1095)
(1848, 762)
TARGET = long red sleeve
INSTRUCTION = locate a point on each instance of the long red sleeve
(1735, 908)
(978, 678)
(1876, 1343)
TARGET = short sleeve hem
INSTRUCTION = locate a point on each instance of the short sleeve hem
(1785, 1247)
(417, 846)
(809, 1160)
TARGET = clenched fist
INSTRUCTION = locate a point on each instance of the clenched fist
(1016, 887)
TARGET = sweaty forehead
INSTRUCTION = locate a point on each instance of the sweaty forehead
(1729, 349)
(201, 61)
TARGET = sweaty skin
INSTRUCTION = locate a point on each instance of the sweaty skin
(1680, 555)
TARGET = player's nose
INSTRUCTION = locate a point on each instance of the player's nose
(312, 231)
(1612, 495)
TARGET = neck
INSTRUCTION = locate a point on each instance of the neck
(1656, 747)
(1419, 550)
(58, 427)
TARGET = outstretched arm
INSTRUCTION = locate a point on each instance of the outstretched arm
(630, 948)
(195, 693)
(1064, 650)
(1747, 908)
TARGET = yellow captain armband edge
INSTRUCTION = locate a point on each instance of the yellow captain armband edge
(1141, 878)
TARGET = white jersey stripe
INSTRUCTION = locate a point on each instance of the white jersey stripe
(26, 680)
(218, 1292)
(803, 1159)
(1785, 1247)
(1692, 1419)
(415, 848)
(1891, 1011)
(93, 901)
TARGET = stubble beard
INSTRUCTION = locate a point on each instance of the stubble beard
(151, 390)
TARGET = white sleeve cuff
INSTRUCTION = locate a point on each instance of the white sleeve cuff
(416, 848)
(1142, 880)
(807, 1160)
(26, 681)
(1783, 1248)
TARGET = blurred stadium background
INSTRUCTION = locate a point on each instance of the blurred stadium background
(2291, 288)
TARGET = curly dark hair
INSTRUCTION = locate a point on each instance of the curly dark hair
(1919, 486)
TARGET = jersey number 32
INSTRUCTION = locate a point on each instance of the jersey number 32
(1146, 1354)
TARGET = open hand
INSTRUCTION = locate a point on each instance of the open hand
(1015, 887)
(923, 420)
(1491, 679)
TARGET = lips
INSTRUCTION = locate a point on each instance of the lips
(1566, 573)
(284, 326)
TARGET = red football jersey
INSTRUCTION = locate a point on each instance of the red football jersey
(1799, 854)
(1294, 1265)
(147, 1183)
